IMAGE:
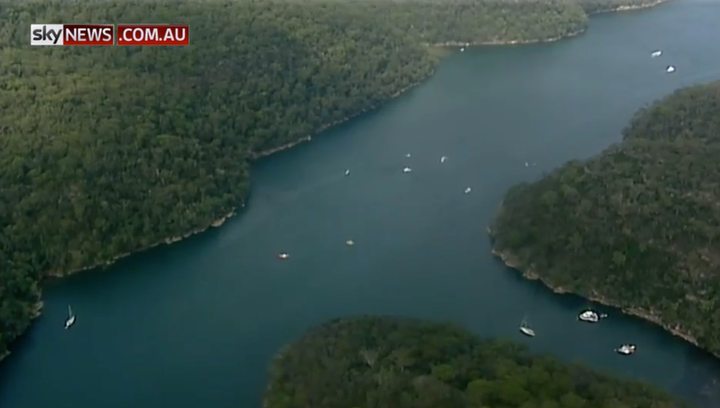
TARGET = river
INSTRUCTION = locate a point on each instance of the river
(196, 323)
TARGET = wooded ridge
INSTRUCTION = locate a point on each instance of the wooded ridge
(377, 361)
(636, 227)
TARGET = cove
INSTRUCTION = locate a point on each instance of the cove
(196, 323)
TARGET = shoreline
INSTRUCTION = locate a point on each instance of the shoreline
(233, 212)
(508, 260)
(622, 9)
(458, 44)
(308, 138)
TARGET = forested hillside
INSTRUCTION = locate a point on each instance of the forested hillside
(372, 362)
(108, 150)
(482, 21)
(637, 226)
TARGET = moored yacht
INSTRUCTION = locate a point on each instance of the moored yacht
(670, 69)
(626, 349)
(407, 170)
(71, 318)
(656, 53)
(525, 329)
(589, 316)
(283, 256)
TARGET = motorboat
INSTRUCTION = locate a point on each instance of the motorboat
(468, 190)
(442, 159)
(656, 53)
(283, 256)
(670, 69)
(589, 316)
(462, 49)
(525, 329)
(408, 155)
(407, 170)
(71, 318)
(626, 349)
(347, 172)
(350, 242)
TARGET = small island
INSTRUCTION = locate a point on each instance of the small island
(637, 227)
(377, 361)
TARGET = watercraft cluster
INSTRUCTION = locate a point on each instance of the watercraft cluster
(589, 316)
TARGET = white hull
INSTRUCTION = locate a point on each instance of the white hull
(626, 350)
(69, 322)
(527, 331)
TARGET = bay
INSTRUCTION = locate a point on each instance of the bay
(196, 323)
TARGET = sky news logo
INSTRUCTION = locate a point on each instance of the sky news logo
(105, 34)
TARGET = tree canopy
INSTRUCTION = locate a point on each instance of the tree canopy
(386, 362)
(637, 226)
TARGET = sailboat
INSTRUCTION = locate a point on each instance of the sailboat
(525, 329)
(71, 318)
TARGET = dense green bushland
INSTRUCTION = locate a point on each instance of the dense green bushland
(637, 226)
(374, 362)
(482, 21)
(107, 150)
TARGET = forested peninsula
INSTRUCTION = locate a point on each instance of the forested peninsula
(375, 361)
(637, 227)
(105, 151)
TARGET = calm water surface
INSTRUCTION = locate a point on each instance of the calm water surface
(195, 324)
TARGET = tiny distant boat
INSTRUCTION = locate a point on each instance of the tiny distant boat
(408, 155)
(526, 164)
(670, 69)
(350, 242)
(347, 172)
(626, 349)
(462, 49)
(525, 329)
(468, 190)
(656, 53)
(442, 159)
(407, 170)
(71, 318)
(283, 256)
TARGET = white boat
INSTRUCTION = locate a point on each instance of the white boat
(408, 155)
(283, 256)
(526, 330)
(462, 49)
(670, 69)
(526, 164)
(656, 53)
(407, 170)
(350, 242)
(71, 318)
(347, 172)
(442, 159)
(468, 190)
(626, 349)
(589, 316)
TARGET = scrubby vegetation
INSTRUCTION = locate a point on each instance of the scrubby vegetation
(373, 362)
(637, 226)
